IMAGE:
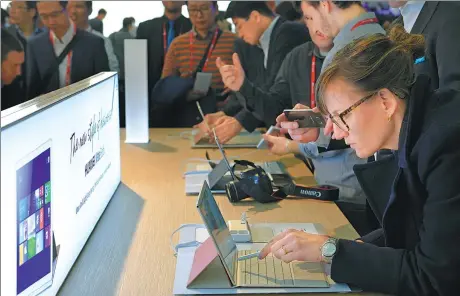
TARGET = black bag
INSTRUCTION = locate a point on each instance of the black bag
(168, 99)
(55, 65)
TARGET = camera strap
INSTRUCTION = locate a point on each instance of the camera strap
(319, 192)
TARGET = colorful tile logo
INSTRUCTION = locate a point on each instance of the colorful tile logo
(31, 247)
(42, 219)
(47, 236)
(39, 242)
(47, 192)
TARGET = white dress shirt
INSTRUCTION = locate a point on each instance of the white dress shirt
(410, 12)
(113, 61)
(59, 46)
(264, 41)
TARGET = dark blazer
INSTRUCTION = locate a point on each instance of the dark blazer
(97, 25)
(285, 37)
(152, 30)
(88, 58)
(439, 22)
(416, 250)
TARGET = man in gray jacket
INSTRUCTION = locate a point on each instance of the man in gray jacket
(118, 42)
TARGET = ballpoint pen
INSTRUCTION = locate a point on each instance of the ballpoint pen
(202, 115)
(249, 256)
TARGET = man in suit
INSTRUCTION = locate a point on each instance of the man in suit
(23, 27)
(96, 23)
(257, 25)
(159, 33)
(170, 25)
(12, 60)
(79, 11)
(86, 58)
(439, 22)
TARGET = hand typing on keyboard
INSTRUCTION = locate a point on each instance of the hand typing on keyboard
(294, 245)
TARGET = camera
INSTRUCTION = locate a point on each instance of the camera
(253, 182)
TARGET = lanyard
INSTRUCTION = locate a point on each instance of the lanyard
(211, 48)
(367, 21)
(165, 41)
(313, 81)
(69, 57)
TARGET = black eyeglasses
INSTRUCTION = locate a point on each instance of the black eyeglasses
(196, 11)
(341, 123)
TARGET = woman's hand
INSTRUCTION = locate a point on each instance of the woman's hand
(295, 245)
(301, 135)
(279, 145)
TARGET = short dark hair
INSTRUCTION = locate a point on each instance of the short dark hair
(63, 3)
(102, 11)
(31, 5)
(214, 3)
(9, 44)
(128, 21)
(243, 9)
(287, 10)
(339, 4)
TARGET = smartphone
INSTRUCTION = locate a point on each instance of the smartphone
(306, 118)
(202, 82)
(34, 232)
(272, 131)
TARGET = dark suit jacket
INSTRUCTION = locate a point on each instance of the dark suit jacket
(416, 250)
(439, 22)
(285, 37)
(88, 58)
(152, 30)
(97, 25)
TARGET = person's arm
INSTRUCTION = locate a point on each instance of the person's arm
(101, 61)
(113, 61)
(33, 80)
(268, 104)
(232, 106)
(170, 66)
(141, 31)
(448, 54)
(432, 266)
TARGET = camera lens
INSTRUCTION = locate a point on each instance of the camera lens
(234, 193)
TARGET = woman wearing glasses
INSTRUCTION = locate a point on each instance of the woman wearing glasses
(371, 100)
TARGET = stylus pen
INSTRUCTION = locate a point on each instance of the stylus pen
(249, 256)
(202, 115)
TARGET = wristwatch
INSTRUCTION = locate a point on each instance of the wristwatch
(329, 249)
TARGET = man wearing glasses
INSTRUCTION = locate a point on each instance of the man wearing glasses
(85, 55)
(187, 50)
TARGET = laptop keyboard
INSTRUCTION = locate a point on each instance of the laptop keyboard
(266, 272)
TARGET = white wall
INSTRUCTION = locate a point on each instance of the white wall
(140, 10)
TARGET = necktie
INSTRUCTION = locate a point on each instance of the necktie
(171, 33)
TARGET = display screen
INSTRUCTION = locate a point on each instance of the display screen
(34, 242)
(217, 228)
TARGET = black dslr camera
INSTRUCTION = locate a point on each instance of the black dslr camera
(253, 182)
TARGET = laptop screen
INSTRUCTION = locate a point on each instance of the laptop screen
(221, 149)
(217, 228)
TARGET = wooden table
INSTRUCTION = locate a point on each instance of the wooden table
(129, 251)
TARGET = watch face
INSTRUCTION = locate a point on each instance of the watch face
(329, 249)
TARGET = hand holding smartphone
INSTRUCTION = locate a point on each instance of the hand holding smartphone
(306, 118)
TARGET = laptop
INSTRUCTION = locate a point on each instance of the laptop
(274, 169)
(244, 140)
(267, 273)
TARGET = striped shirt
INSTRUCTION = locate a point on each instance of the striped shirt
(177, 61)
